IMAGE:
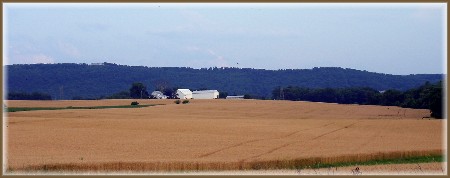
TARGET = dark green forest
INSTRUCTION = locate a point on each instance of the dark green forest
(427, 96)
(28, 96)
(84, 81)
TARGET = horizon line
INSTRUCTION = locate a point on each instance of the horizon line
(223, 67)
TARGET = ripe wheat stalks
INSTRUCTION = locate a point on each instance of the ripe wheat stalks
(215, 166)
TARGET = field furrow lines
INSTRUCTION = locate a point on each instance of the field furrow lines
(232, 146)
(293, 133)
(335, 130)
(291, 143)
(251, 141)
(250, 134)
(268, 152)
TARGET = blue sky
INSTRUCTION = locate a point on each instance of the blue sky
(386, 38)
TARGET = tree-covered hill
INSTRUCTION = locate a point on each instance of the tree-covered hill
(93, 81)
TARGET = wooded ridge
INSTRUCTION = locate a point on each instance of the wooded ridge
(69, 80)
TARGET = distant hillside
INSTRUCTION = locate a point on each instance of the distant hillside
(92, 81)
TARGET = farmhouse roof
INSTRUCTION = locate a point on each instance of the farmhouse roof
(205, 91)
(185, 91)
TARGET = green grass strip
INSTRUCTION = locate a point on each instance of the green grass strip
(410, 160)
(19, 109)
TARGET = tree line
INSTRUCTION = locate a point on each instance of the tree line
(426, 96)
(97, 81)
(28, 96)
(138, 90)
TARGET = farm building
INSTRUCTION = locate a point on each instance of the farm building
(235, 97)
(184, 93)
(205, 94)
(159, 95)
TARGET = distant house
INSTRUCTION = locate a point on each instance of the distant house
(205, 94)
(235, 97)
(159, 95)
(184, 94)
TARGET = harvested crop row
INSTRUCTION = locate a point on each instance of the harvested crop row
(213, 131)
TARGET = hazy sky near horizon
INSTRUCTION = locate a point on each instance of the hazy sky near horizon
(385, 38)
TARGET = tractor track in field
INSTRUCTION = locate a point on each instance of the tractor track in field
(33, 121)
(287, 144)
(232, 146)
(372, 137)
(347, 126)
(256, 140)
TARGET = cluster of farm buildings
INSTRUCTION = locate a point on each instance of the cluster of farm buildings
(188, 94)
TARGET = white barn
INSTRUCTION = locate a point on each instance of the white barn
(205, 94)
(235, 97)
(184, 94)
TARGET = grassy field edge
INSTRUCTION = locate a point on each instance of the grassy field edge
(19, 109)
(408, 160)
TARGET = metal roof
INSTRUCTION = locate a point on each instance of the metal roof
(205, 91)
(185, 91)
(239, 96)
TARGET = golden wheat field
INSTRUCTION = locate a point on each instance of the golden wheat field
(212, 135)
